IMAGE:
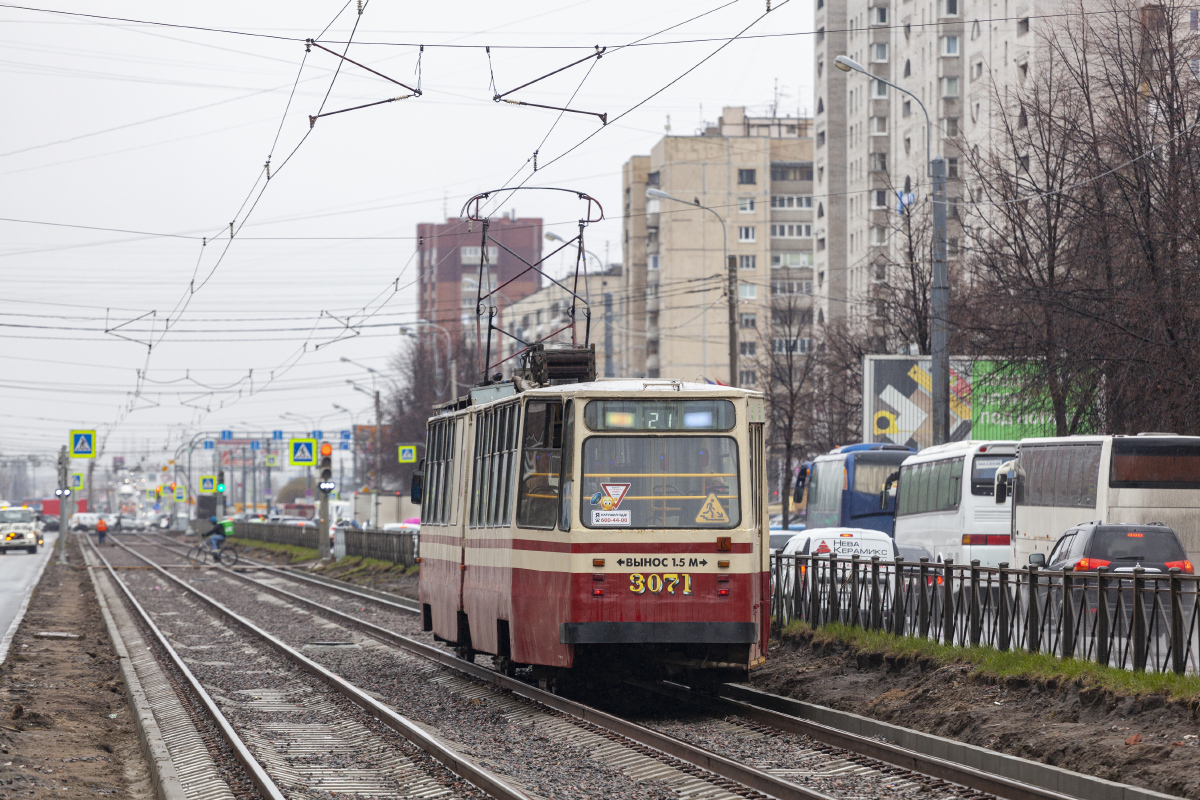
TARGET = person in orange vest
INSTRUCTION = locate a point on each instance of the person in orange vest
(101, 529)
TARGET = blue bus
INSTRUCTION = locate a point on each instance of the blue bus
(841, 489)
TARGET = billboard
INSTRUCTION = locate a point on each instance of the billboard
(987, 401)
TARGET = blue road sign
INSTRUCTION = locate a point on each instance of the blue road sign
(256, 445)
(345, 435)
(208, 484)
(158, 506)
(408, 454)
(318, 435)
(344, 445)
(303, 452)
(226, 435)
(209, 444)
(277, 436)
(83, 444)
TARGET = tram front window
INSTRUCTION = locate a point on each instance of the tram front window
(660, 482)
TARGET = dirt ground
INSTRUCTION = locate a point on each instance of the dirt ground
(1147, 741)
(66, 729)
(387, 578)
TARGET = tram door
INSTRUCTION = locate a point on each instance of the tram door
(758, 474)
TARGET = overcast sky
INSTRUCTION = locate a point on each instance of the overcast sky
(162, 133)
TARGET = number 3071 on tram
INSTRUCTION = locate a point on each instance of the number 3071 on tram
(598, 528)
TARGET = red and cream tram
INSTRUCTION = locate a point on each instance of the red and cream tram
(598, 527)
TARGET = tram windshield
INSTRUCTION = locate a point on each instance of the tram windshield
(660, 482)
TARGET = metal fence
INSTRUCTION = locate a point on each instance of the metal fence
(1131, 620)
(277, 534)
(398, 547)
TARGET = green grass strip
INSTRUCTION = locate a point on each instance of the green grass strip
(990, 663)
(297, 554)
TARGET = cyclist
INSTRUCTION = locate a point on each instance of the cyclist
(216, 535)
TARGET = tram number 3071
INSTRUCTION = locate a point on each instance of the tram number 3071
(657, 584)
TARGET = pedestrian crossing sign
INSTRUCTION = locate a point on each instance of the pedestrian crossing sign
(76, 481)
(303, 452)
(408, 454)
(180, 494)
(208, 484)
(151, 495)
(271, 461)
(83, 444)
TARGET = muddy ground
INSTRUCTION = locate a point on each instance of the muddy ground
(1147, 741)
(388, 578)
(66, 729)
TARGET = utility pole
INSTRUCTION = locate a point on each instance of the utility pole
(733, 320)
(940, 308)
(65, 508)
(378, 445)
(608, 335)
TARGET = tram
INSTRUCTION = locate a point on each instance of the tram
(600, 528)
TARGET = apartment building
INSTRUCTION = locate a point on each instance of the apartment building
(960, 58)
(546, 314)
(448, 255)
(743, 188)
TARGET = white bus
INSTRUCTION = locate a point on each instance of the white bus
(1057, 483)
(945, 503)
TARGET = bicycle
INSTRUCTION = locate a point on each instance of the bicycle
(201, 554)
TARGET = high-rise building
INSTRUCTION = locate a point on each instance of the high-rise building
(449, 258)
(754, 175)
(959, 57)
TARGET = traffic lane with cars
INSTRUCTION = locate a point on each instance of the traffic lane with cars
(18, 572)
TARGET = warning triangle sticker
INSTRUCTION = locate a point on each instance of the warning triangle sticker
(616, 491)
(712, 512)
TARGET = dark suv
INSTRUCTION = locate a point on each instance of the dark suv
(1116, 548)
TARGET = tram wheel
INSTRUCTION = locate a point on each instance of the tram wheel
(466, 653)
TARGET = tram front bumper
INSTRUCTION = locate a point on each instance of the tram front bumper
(658, 632)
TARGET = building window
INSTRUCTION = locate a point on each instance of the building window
(878, 126)
(470, 255)
(791, 231)
(950, 8)
(779, 346)
(747, 262)
(746, 205)
(879, 52)
(791, 201)
(952, 207)
(746, 233)
(781, 287)
(748, 291)
(1023, 71)
(747, 177)
(879, 16)
(949, 87)
(907, 67)
(652, 262)
(952, 248)
(652, 179)
(820, 34)
(820, 106)
(747, 377)
(879, 198)
(796, 259)
(748, 321)
(1023, 26)
(906, 109)
(1022, 119)
(878, 162)
(879, 235)
(821, 244)
(820, 138)
(950, 126)
(949, 45)
(951, 167)
(879, 90)
(977, 70)
(1195, 20)
(748, 348)
(1023, 163)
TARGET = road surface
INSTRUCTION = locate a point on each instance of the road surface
(18, 574)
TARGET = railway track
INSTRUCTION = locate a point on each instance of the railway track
(764, 752)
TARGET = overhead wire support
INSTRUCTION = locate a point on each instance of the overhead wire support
(312, 119)
(503, 96)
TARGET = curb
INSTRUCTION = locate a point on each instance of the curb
(1015, 768)
(162, 769)
(6, 642)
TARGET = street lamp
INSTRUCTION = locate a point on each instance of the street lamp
(732, 270)
(939, 300)
(378, 431)
(451, 362)
(354, 426)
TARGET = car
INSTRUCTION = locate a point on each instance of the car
(49, 522)
(843, 542)
(84, 521)
(19, 530)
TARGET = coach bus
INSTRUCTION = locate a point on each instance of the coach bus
(1057, 483)
(843, 486)
(944, 503)
(602, 527)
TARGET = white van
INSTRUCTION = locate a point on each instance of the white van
(946, 503)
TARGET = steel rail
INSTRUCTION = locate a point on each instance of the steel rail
(885, 752)
(484, 780)
(254, 770)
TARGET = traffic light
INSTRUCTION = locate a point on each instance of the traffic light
(221, 481)
(325, 469)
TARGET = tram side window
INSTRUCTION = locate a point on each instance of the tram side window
(495, 445)
(541, 463)
(438, 469)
